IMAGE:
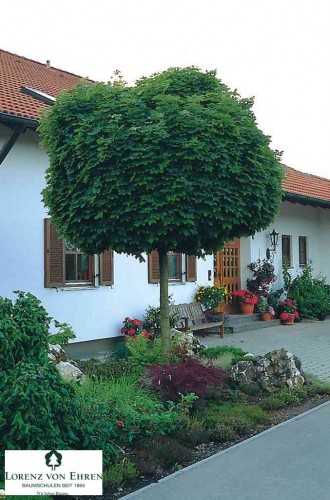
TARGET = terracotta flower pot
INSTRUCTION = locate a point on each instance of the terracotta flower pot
(289, 321)
(266, 316)
(246, 308)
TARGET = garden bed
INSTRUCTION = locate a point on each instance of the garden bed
(206, 450)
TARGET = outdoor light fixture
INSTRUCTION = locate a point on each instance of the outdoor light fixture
(273, 236)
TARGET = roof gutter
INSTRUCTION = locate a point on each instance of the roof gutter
(305, 200)
(18, 120)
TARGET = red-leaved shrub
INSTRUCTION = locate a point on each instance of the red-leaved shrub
(185, 377)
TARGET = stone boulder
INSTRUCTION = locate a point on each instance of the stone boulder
(67, 368)
(187, 340)
(271, 372)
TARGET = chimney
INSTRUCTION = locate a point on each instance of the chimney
(48, 63)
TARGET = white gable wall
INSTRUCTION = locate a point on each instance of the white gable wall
(94, 313)
(294, 220)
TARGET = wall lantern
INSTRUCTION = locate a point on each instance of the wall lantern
(273, 236)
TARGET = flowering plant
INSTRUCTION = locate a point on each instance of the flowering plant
(263, 276)
(245, 296)
(133, 327)
(211, 296)
(262, 306)
(288, 307)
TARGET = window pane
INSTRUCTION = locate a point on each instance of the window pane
(70, 274)
(286, 250)
(83, 273)
(173, 266)
(302, 250)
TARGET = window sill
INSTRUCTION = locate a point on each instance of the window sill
(77, 288)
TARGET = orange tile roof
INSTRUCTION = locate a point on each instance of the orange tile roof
(17, 71)
(306, 185)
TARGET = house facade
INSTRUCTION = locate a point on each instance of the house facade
(95, 294)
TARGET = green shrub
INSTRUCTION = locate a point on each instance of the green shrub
(317, 386)
(119, 473)
(215, 352)
(151, 319)
(223, 432)
(285, 397)
(128, 409)
(145, 352)
(311, 294)
(162, 451)
(249, 389)
(108, 370)
(250, 415)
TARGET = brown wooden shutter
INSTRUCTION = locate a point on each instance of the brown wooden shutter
(106, 268)
(153, 267)
(54, 257)
(191, 268)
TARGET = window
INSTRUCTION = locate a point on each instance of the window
(78, 266)
(176, 263)
(302, 251)
(286, 251)
(66, 265)
(174, 266)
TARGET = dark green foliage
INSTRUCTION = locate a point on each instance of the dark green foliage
(215, 352)
(108, 370)
(222, 432)
(151, 319)
(119, 473)
(250, 389)
(153, 455)
(311, 294)
(263, 275)
(191, 437)
(134, 168)
(24, 327)
(285, 397)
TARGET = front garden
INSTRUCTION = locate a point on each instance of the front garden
(151, 414)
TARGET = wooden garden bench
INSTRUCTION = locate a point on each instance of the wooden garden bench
(192, 317)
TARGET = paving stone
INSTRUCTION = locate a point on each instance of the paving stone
(309, 340)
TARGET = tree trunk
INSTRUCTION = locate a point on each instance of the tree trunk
(164, 305)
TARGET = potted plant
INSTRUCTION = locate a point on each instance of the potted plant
(289, 311)
(211, 297)
(246, 300)
(262, 307)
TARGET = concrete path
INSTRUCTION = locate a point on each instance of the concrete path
(310, 341)
(288, 462)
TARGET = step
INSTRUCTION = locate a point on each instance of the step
(260, 325)
(244, 322)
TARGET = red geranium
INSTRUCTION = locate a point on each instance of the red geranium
(245, 296)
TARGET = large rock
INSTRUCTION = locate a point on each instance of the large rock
(271, 372)
(67, 368)
(187, 340)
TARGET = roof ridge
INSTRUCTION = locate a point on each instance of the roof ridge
(43, 64)
(305, 173)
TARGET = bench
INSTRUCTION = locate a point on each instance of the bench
(192, 317)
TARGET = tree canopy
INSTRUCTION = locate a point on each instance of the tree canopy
(174, 163)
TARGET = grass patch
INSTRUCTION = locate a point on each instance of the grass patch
(317, 386)
(249, 416)
(285, 397)
(215, 352)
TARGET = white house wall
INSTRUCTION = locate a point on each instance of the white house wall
(294, 220)
(93, 313)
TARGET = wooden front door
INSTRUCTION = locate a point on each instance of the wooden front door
(227, 271)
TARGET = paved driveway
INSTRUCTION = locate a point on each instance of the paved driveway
(310, 341)
(287, 462)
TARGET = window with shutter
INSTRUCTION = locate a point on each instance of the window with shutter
(66, 265)
(175, 263)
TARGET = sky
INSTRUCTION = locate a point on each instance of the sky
(275, 50)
